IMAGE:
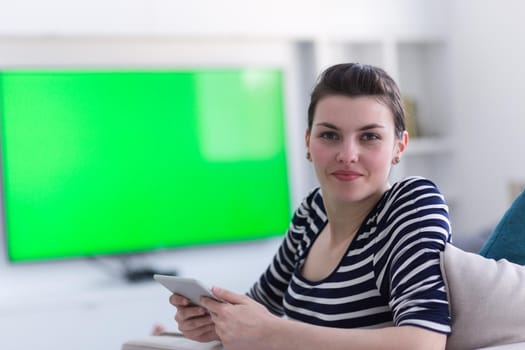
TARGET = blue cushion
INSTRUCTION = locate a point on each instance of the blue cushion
(507, 241)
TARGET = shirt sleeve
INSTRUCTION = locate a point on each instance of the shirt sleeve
(420, 228)
(270, 288)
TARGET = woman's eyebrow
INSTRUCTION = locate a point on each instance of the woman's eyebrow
(327, 125)
(372, 126)
(363, 128)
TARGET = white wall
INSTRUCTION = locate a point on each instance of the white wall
(488, 106)
(252, 18)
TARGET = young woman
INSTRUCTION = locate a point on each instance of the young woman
(359, 266)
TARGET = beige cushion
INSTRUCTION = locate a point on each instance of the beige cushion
(487, 300)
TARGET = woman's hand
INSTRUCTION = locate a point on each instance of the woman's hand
(194, 321)
(240, 322)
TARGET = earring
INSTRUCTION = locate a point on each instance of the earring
(308, 156)
(396, 160)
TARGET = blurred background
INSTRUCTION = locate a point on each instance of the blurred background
(459, 64)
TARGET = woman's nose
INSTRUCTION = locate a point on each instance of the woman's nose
(348, 153)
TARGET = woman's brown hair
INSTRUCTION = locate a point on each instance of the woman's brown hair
(355, 79)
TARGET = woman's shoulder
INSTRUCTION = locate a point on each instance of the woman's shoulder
(415, 181)
(415, 202)
(313, 198)
(309, 217)
(312, 206)
(412, 193)
(413, 184)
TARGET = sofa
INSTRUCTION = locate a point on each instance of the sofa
(486, 293)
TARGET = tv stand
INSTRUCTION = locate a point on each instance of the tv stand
(144, 274)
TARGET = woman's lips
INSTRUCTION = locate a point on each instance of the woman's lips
(345, 175)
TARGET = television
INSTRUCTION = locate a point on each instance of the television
(101, 162)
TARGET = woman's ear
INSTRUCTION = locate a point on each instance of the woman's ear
(401, 144)
(307, 142)
(307, 139)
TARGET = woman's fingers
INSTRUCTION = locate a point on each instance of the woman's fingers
(188, 312)
(158, 329)
(192, 315)
(229, 296)
(199, 328)
(201, 324)
(204, 334)
(193, 321)
(179, 300)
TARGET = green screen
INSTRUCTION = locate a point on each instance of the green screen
(109, 162)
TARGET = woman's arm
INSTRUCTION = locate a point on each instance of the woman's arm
(242, 324)
(408, 268)
(296, 335)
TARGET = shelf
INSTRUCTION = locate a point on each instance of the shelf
(420, 146)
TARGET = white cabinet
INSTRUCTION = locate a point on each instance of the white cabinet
(99, 319)
(81, 305)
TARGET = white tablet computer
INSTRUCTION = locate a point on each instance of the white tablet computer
(187, 287)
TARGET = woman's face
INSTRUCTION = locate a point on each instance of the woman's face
(352, 145)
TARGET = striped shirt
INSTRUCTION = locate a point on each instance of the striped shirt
(389, 275)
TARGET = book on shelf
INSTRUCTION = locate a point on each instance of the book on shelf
(411, 117)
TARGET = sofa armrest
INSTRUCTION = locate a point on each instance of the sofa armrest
(516, 346)
(181, 343)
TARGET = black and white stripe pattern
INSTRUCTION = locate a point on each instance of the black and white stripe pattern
(389, 276)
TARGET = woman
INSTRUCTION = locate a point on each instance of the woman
(359, 266)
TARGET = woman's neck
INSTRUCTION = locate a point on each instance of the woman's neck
(345, 219)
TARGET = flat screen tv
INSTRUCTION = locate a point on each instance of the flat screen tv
(117, 161)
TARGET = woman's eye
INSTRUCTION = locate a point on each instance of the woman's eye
(370, 137)
(329, 135)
